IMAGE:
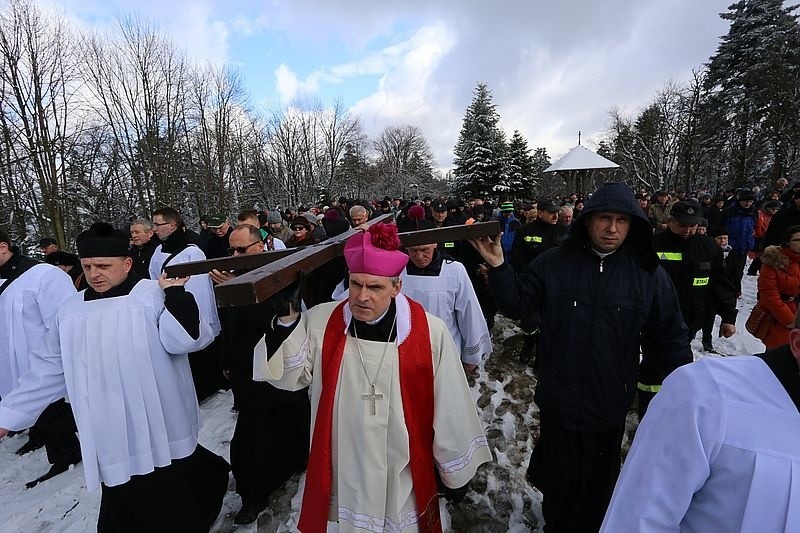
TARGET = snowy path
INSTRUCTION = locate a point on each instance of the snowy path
(501, 499)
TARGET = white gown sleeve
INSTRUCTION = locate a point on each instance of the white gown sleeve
(37, 388)
(176, 340)
(55, 289)
(291, 367)
(459, 444)
(671, 455)
(475, 338)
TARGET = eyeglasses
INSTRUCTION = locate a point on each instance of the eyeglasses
(241, 249)
(298, 228)
(159, 224)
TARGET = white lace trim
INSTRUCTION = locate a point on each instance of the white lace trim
(476, 348)
(459, 463)
(375, 524)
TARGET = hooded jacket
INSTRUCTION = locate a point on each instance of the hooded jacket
(596, 315)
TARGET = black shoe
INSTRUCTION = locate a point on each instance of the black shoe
(56, 469)
(248, 514)
(708, 347)
(29, 446)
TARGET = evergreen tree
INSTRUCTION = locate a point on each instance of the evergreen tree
(754, 77)
(540, 161)
(479, 166)
(520, 167)
(351, 172)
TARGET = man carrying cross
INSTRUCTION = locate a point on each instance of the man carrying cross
(391, 405)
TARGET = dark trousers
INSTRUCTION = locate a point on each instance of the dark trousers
(708, 326)
(55, 428)
(184, 496)
(206, 369)
(268, 447)
(736, 262)
(643, 399)
(576, 472)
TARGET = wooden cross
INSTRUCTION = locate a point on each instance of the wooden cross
(279, 269)
(372, 397)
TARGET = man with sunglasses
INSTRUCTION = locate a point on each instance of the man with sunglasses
(260, 462)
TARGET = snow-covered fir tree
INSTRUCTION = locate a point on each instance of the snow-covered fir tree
(479, 164)
(754, 77)
(520, 171)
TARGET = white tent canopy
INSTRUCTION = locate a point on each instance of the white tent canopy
(581, 158)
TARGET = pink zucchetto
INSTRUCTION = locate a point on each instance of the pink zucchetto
(375, 252)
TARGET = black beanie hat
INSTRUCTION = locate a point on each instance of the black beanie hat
(102, 240)
(717, 231)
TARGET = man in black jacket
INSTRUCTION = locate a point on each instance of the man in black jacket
(538, 236)
(143, 244)
(603, 297)
(695, 265)
(531, 240)
(271, 439)
(217, 246)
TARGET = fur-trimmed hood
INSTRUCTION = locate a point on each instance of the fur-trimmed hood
(779, 257)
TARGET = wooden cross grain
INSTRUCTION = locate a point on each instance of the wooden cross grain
(276, 270)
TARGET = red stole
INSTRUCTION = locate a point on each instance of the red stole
(416, 388)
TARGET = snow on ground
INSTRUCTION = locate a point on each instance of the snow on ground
(501, 499)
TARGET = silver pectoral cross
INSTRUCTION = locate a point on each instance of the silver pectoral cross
(372, 397)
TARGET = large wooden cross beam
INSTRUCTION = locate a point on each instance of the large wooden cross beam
(276, 270)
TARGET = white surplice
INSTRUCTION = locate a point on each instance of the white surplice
(122, 361)
(27, 309)
(718, 451)
(372, 487)
(451, 297)
(200, 285)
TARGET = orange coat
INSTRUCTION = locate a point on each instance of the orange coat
(778, 281)
(762, 223)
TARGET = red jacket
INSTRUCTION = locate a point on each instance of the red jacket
(778, 285)
(762, 223)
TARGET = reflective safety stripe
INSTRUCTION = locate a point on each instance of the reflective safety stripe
(700, 282)
(449, 245)
(648, 388)
(670, 256)
(532, 238)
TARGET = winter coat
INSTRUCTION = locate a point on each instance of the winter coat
(715, 216)
(534, 238)
(778, 287)
(283, 234)
(695, 266)
(509, 226)
(741, 224)
(218, 246)
(596, 315)
(762, 223)
(141, 257)
(658, 214)
(781, 221)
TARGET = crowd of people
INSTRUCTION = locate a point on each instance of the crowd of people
(362, 366)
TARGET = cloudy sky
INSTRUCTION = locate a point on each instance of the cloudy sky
(554, 67)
